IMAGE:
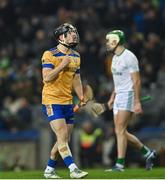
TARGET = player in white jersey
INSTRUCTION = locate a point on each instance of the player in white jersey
(125, 99)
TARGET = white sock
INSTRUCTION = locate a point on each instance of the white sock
(72, 167)
(49, 169)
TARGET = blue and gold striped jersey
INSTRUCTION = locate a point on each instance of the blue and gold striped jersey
(59, 90)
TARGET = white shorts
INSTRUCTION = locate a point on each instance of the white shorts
(124, 101)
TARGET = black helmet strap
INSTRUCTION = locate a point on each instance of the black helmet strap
(70, 45)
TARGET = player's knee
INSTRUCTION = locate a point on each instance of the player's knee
(120, 131)
(120, 127)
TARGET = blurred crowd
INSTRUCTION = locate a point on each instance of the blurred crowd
(27, 30)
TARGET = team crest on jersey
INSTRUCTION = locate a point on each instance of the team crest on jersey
(49, 110)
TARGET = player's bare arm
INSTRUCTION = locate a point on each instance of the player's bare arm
(111, 100)
(51, 74)
(77, 86)
(137, 89)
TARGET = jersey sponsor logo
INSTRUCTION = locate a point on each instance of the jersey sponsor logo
(116, 73)
(70, 69)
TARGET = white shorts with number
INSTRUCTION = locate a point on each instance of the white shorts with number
(124, 101)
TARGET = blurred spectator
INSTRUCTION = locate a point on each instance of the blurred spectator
(90, 145)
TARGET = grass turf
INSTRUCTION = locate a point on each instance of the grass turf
(156, 173)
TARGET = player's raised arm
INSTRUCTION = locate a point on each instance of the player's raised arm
(111, 99)
(50, 74)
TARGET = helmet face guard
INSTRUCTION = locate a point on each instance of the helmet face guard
(118, 36)
(63, 30)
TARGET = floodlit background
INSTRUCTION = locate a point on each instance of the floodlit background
(26, 28)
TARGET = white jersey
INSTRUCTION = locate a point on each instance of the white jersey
(122, 67)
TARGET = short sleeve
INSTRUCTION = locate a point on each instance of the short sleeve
(47, 60)
(132, 63)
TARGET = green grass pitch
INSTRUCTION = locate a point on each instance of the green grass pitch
(156, 173)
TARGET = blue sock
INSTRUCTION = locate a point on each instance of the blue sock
(52, 163)
(68, 160)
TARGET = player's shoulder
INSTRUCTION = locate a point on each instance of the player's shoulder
(51, 51)
(75, 53)
(46, 55)
(55, 51)
(130, 53)
(130, 57)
